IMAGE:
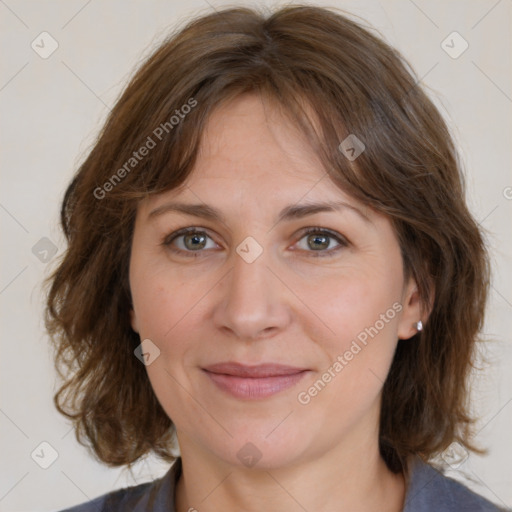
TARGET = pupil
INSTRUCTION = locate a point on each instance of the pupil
(323, 241)
(195, 238)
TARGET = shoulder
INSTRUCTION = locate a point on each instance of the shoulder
(119, 500)
(429, 489)
(156, 496)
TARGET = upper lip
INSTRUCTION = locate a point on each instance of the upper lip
(260, 370)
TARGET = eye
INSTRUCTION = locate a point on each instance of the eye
(319, 239)
(190, 241)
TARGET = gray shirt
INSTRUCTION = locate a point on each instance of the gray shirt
(427, 491)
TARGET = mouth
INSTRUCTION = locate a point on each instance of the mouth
(254, 382)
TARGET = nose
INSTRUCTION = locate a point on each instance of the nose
(253, 301)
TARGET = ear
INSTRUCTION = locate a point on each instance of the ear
(414, 309)
(133, 321)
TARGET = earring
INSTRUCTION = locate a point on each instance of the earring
(419, 325)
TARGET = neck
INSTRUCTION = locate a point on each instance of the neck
(354, 480)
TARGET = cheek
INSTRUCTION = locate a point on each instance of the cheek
(352, 300)
(357, 358)
(161, 298)
(360, 311)
(170, 309)
(167, 309)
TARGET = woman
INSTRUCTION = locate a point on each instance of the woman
(271, 261)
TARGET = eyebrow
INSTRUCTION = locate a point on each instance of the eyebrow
(291, 212)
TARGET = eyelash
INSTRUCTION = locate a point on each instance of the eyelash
(316, 254)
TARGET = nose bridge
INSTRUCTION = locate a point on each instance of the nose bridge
(252, 300)
(249, 275)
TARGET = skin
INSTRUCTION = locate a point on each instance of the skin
(287, 306)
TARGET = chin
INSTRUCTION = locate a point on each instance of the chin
(262, 451)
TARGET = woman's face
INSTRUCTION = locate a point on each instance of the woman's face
(253, 287)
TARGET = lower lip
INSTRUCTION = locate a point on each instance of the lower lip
(254, 388)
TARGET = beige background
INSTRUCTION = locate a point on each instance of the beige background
(51, 110)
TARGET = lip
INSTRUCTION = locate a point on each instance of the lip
(253, 371)
(254, 382)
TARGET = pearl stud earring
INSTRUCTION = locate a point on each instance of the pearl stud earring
(419, 325)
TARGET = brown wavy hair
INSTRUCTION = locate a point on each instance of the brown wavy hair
(333, 77)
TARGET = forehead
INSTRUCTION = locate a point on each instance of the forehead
(252, 158)
(250, 144)
(248, 137)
